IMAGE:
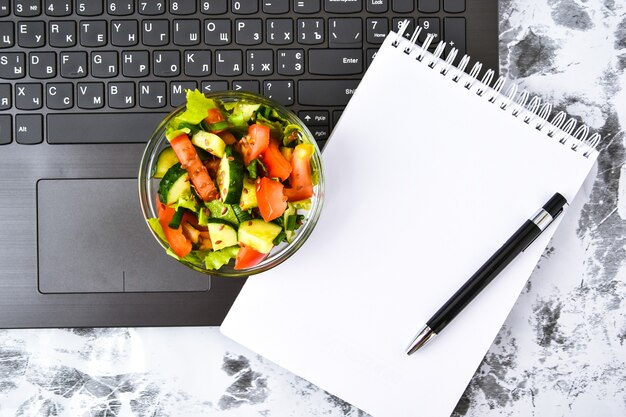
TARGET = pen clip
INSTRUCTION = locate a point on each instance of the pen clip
(558, 213)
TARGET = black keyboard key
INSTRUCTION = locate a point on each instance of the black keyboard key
(197, 63)
(377, 29)
(244, 6)
(251, 86)
(124, 32)
(228, 63)
(5, 96)
(93, 33)
(279, 31)
(31, 34)
(315, 117)
(182, 6)
(248, 31)
(151, 7)
(4, 8)
(397, 22)
(42, 65)
(186, 32)
(345, 33)
(12, 65)
(166, 63)
(335, 61)
(28, 129)
(73, 64)
(259, 62)
(402, 6)
(59, 96)
(102, 127)
(121, 95)
(58, 8)
(135, 63)
(342, 6)
(7, 38)
(152, 95)
(326, 92)
(27, 8)
(120, 7)
(62, 34)
(337, 115)
(279, 90)
(371, 53)
(310, 31)
(217, 32)
(90, 95)
(454, 32)
(377, 6)
(213, 6)
(178, 94)
(89, 7)
(428, 6)
(275, 6)
(429, 25)
(306, 6)
(104, 64)
(213, 86)
(28, 96)
(454, 6)
(155, 32)
(290, 61)
(320, 133)
(5, 129)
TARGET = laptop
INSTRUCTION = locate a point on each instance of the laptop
(83, 83)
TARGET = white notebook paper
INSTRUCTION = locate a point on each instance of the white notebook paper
(425, 180)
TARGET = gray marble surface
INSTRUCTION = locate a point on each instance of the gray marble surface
(561, 351)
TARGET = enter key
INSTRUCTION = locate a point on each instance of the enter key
(335, 61)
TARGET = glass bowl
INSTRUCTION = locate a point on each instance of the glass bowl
(148, 187)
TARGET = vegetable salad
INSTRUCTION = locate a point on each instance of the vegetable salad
(235, 182)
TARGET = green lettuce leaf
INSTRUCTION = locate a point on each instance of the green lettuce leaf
(195, 111)
(156, 227)
(216, 259)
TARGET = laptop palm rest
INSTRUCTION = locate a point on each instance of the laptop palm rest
(92, 238)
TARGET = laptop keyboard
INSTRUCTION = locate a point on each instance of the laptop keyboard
(93, 71)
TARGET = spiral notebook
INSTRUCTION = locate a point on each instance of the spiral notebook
(419, 193)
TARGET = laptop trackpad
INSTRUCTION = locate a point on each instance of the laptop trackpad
(92, 238)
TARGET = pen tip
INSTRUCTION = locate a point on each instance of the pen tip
(420, 340)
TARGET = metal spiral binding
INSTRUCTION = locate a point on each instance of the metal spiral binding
(533, 112)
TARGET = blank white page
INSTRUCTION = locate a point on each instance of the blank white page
(424, 182)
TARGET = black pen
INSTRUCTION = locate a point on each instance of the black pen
(521, 239)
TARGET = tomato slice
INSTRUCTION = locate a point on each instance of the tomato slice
(300, 178)
(276, 164)
(214, 116)
(248, 257)
(175, 237)
(255, 143)
(272, 202)
(297, 194)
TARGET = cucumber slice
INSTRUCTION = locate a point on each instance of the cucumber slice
(222, 211)
(258, 234)
(248, 198)
(221, 234)
(178, 217)
(242, 215)
(174, 185)
(166, 159)
(210, 142)
(230, 179)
